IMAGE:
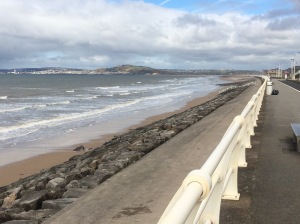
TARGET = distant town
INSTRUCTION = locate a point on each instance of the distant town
(125, 69)
(290, 73)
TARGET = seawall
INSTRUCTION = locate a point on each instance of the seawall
(40, 196)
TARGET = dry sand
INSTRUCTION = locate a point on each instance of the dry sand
(14, 171)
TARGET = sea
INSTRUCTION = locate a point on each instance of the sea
(42, 113)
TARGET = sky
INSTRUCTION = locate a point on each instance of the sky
(167, 34)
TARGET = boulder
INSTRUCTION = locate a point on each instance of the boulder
(130, 156)
(79, 148)
(53, 193)
(73, 175)
(58, 203)
(6, 214)
(32, 200)
(167, 134)
(9, 201)
(94, 164)
(74, 193)
(54, 183)
(73, 184)
(93, 181)
(39, 215)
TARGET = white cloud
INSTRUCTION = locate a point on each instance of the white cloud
(99, 33)
(164, 2)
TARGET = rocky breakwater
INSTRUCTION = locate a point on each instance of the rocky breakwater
(35, 198)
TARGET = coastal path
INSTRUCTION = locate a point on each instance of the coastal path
(141, 192)
(270, 185)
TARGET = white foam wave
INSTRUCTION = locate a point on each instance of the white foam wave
(70, 130)
(22, 133)
(70, 91)
(169, 81)
(34, 106)
(3, 97)
(59, 103)
(12, 109)
(63, 119)
(108, 87)
(90, 98)
(124, 94)
(39, 106)
(165, 97)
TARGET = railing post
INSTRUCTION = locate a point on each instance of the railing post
(231, 186)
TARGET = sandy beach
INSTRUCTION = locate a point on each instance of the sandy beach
(14, 171)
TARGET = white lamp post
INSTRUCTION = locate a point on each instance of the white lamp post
(295, 65)
(292, 68)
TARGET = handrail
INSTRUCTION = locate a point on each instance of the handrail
(198, 199)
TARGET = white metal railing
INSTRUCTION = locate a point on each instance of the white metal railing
(198, 200)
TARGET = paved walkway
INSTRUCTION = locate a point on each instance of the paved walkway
(141, 192)
(270, 185)
(277, 195)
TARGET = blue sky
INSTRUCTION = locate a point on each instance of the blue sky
(190, 34)
(250, 7)
(222, 6)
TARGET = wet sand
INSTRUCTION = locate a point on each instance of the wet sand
(14, 171)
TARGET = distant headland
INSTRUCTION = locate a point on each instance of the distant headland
(124, 69)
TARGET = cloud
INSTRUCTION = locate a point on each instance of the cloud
(99, 33)
(291, 23)
(164, 2)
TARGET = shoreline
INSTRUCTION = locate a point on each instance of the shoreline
(20, 169)
(42, 196)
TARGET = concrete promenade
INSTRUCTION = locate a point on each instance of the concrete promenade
(270, 185)
(276, 198)
(141, 192)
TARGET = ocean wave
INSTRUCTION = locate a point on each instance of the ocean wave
(124, 94)
(69, 110)
(12, 109)
(3, 97)
(164, 97)
(108, 87)
(63, 119)
(59, 103)
(21, 133)
(70, 91)
(22, 108)
(34, 107)
(38, 106)
(89, 98)
(169, 81)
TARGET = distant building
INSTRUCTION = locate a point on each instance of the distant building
(276, 73)
(289, 72)
(273, 73)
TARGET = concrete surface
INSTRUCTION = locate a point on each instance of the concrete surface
(141, 192)
(270, 185)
